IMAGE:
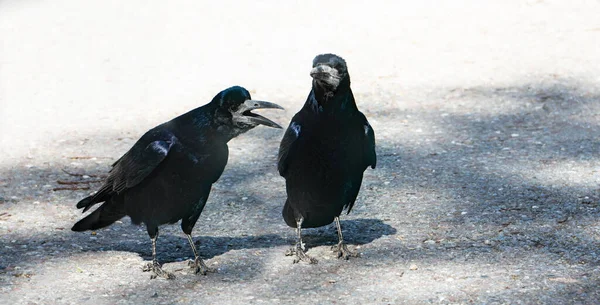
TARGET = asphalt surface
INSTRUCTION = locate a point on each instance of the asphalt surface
(486, 117)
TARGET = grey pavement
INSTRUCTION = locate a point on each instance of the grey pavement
(486, 116)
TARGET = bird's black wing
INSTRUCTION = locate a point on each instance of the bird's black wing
(135, 165)
(353, 187)
(141, 160)
(370, 158)
(369, 144)
(286, 148)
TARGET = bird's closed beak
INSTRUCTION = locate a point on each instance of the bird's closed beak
(250, 105)
(323, 72)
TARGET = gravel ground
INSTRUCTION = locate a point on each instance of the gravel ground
(486, 116)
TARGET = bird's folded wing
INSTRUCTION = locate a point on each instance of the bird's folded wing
(369, 147)
(140, 161)
(287, 146)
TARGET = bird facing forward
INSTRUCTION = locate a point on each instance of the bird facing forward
(168, 173)
(323, 154)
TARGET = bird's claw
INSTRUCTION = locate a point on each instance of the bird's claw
(300, 255)
(157, 271)
(198, 266)
(342, 251)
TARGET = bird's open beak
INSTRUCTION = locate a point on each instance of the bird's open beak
(250, 105)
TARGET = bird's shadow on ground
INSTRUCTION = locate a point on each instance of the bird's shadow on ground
(356, 232)
(175, 247)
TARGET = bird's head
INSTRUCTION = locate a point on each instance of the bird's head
(328, 71)
(235, 110)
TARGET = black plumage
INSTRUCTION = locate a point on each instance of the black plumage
(168, 173)
(323, 154)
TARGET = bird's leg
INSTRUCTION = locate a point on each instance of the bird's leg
(298, 248)
(198, 264)
(154, 266)
(341, 249)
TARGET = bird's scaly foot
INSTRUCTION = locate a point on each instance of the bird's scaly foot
(158, 271)
(198, 266)
(342, 251)
(298, 251)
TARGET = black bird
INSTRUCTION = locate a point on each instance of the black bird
(323, 154)
(168, 173)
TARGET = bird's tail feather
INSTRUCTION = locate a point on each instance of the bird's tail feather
(102, 195)
(85, 203)
(104, 216)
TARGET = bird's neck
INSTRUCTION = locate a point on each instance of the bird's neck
(197, 125)
(228, 132)
(323, 100)
(196, 119)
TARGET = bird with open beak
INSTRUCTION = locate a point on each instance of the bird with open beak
(167, 175)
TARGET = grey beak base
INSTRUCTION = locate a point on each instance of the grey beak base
(322, 71)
